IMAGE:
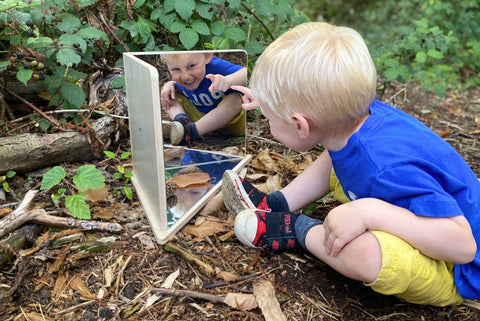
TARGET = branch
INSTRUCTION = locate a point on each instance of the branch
(258, 19)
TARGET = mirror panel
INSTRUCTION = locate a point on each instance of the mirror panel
(174, 182)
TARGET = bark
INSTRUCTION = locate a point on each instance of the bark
(31, 151)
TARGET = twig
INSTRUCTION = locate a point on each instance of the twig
(207, 269)
(189, 294)
(113, 33)
(258, 19)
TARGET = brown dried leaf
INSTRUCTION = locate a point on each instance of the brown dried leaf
(273, 183)
(59, 286)
(105, 213)
(444, 133)
(268, 303)
(265, 158)
(455, 110)
(207, 228)
(95, 195)
(5, 211)
(192, 180)
(226, 276)
(34, 316)
(241, 301)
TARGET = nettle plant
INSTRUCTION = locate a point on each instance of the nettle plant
(45, 40)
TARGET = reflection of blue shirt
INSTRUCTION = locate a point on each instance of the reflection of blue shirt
(212, 163)
(201, 98)
(396, 158)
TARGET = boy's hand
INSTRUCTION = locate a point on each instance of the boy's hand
(219, 82)
(342, 225)
(249, 102)
(167, 95)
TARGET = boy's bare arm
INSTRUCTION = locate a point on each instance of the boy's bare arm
(312, 184)
(223, 83)
(167, 95)
(449, 239)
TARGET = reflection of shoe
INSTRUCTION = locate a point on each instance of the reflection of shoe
(173, 130)
(256, 228)
(239, 194)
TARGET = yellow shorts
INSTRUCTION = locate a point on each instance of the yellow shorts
(236, 127)
(406, 272)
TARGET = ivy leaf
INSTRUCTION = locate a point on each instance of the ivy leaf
(24, 75)
(201, 27)
(88, 177)
(188, 37)
(77, 206)
(69, 23)
(52, 177)
(73, 94)
(185, 8)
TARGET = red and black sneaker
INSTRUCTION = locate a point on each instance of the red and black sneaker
(275, 230)
(239, 194)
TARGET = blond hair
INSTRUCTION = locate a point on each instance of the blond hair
(319, 70)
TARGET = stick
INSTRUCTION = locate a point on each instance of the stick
(24, 213)
(190, 294)
(207, 269)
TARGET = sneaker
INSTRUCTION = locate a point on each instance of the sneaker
(239, 194)
(258, 229)
(173, 130)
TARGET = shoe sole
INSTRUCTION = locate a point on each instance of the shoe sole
(173, 131)
(235, 197)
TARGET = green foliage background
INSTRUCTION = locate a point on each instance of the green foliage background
(433, 42)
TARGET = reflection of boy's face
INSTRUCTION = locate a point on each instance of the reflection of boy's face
(188, 70)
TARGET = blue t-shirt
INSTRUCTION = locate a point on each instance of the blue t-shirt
(201, 98)
(396, 158)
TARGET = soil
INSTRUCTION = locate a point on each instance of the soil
(105, 276)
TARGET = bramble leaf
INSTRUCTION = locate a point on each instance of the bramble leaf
(52, 177)
(88, 177)
(77, 206)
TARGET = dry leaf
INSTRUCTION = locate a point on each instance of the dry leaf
(105, 213)
(192, 180)
(226, 276)
(5, 211)
(455, 110)
(444, 133)
(34, 316)
(207, 228)
(168, 283)
(214, 204)
(59, 287)
(241, 301)
(273, 183)
(268, 303)
(265, 158)
(96, 195)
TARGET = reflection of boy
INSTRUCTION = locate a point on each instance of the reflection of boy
(411, 218)
(207, 103)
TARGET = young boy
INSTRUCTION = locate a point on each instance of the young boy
(207, 103)
(410, 222)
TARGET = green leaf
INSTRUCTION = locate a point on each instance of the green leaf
(177, 26)
(68, 40)
(88, 177)
(117, 175)
(128, 192)
(68, 57)
(205, 11)
(38, 43)
(5, 63)
(73, 94)
(24, 75)
(421, 57)
(200, 26)
(44, 124)
(118, 83)
(434, 53)
(169, 5)
(188, 37)
(109, 154)
(52, 177)
(69, 23)
(234, 3)
(92, 33)
(236, 34)
(125, 155)
(185, 8)
(391, 74)
(5, 187)
(217, 28)
(77, 206)
(10, 174)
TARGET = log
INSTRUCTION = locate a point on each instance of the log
(31, 151)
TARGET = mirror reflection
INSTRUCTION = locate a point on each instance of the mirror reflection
(202, 121)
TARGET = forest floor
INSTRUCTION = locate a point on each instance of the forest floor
(108, 276)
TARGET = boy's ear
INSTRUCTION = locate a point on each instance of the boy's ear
(208, 57)
(302, 126)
